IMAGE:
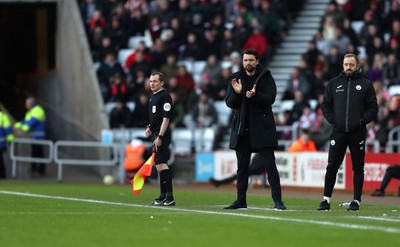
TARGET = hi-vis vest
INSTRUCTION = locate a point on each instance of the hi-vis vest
(35, 122)
(6, 134)
(134, 156)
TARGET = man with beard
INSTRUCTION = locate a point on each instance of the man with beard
(349, 104)
(250, 94)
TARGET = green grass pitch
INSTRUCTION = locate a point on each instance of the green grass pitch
(74, 215)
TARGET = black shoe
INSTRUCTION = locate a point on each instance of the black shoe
(324, 206)
(214, 182)
(168, 202)
(378, 193)
(236, 205)
(158, 202)
(279, 206)
(354, 206)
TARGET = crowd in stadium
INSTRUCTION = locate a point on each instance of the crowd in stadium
(216, 31)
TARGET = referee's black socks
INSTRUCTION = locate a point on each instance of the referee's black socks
(166, 184)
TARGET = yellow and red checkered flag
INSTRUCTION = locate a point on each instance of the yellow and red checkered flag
(145, 171)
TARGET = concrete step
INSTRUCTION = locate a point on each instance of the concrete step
(317, 2)
(308, 19)
(312, 12)
(280, 57)
(298, 25)
(291, 44)
(303, 38)
(305, 31)
(285, 63)
(292, 51)
(315, 6)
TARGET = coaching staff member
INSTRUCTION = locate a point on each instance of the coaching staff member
(250, 94)
(160, 110)
(349, 104)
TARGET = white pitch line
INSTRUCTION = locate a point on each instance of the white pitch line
(382, 218)
(314, 222)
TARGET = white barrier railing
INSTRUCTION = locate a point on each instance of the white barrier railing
(81, 161)
(27, 157)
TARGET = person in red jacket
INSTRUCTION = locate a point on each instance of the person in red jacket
(259, 42)
(303, 143)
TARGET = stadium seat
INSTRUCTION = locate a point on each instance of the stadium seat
(224, 113)
(108, 107)
(286, 105)
(394, 89)
(134, 41)
(204, 139)
(182, 140)
(123, 54)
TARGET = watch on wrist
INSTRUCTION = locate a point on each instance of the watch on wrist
(160, 136)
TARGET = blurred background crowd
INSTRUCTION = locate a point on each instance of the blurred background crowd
(197, 44)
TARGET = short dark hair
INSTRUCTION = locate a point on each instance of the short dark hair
(161, 76)
(251, 52)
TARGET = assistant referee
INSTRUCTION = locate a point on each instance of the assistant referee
(160, 110)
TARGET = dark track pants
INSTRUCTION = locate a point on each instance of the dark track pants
(337, 150)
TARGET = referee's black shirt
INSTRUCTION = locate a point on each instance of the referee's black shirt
(160, 106)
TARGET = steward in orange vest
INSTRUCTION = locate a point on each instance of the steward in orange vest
(303, 143)
(134, 155)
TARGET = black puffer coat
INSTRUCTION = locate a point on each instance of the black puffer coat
(261, 127)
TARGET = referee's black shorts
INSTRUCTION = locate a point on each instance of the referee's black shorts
(163, 152)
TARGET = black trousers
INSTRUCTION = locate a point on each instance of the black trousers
(337, 150)
(243, 155)
(391, 172)
(37, 152)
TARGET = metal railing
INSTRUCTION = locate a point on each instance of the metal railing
(61, 161)
(393, 139)
(27, 157)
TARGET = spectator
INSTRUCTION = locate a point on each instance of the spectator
(140, 115)
(212, 69)
(117, 35)
(340, 40)
(170, 68)
(106, 47)
(222, 84)
(137, 24)
(190, 49)
(394, 48)
(307, 118)
(157, 54)
(296, 82)
(303, 143)
(391, 71)
(312, 54)
(333, 62)
(204, 113)
(97, 20)
(119, 88)
(227, 45)
(185, 79)
(300, 102)
(178, 113)
(141, 48)
(140, 63)
(155, 28)
(120, 115)
(108, 68)
(375, 72)
(258, 41)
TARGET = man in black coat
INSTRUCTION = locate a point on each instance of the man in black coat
(349, 104)
(250, 94)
